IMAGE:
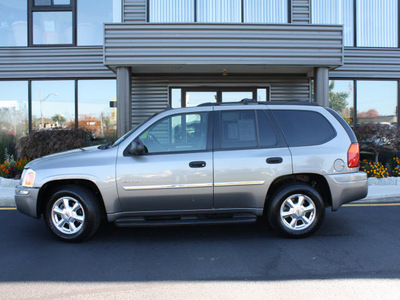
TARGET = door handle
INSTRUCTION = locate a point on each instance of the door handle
(274, 160)
(197, 164)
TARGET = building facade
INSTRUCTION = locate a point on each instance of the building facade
(107, 65)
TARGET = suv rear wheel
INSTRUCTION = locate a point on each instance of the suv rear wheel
(73, 214)
(296, 211)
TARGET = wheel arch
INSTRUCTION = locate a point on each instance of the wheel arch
(50, 187)
(316, 181)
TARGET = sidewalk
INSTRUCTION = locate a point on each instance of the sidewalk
(378, 192)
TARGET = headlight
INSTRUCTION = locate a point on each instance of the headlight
(28, 178)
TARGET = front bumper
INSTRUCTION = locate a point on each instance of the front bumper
(26, 200)
(347, 187)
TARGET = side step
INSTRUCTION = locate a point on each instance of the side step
(151, 221)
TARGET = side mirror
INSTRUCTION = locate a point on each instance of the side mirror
(137, 147)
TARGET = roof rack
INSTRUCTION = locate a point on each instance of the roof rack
(247, 101)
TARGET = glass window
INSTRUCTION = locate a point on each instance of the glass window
(261, 11)
(186, 132)
(377, 102)
(304, 128)
(195, 98)
(377, 23)
(236, 96)
(53, 27)
(94, 110)
(266, 132)
(42, 2)
(14, 107)
(13, 23)
(176, 95)
(238, 129)
(341, 98)
(53, 104)
(338, 12)
(219, 11)
(171, 11)
(91, 17)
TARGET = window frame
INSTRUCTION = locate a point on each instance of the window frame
(289, 13)
(32, 8)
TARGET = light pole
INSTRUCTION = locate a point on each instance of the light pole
(41, 106)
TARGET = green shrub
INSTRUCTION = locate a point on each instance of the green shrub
(45, 142)
(7, 145)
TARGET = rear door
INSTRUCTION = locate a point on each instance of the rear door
(249, 154)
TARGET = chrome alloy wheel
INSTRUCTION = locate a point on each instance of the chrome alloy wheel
(297, 212)
(67, 215)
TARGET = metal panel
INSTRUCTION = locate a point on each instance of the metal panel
(150, 94)
(369, 63)
(142, 45)
(301, 12)
(134, 11)
(45, 62)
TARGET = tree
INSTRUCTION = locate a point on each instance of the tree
(337, 100)
(58, 118)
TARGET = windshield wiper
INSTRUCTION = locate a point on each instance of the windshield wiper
(105, 146)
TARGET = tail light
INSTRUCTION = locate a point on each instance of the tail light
(353, 156)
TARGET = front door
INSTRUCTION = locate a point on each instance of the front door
(176, 173)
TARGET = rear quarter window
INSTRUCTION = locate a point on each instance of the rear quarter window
(304, 128)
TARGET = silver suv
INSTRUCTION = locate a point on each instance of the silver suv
(214, 163)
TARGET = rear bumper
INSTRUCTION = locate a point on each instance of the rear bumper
(26, 200)
(347, 187)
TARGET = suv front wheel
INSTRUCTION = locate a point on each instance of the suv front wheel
(296, 211)
(73, 213)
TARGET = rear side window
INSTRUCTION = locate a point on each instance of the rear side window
(238, 129)
(304, 128)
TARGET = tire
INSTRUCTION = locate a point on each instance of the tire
(296, 211)
(73, 214)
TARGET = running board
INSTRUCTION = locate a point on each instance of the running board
(185, 220)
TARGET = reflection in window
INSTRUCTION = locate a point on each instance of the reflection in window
(341, 98)
(176, 95)
(238, 129)
(236, 96)
(91, 17)
(171, 11)
(53, 104)
(14, 107)
(186, 132)
(196, 98)
(377, 102)
(94, 111)
(13, 23)
(52, 28)
(261, 11)
(335, 12)
(222, 11)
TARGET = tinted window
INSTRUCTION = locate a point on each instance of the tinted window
(266, 132)
(186, 132)
(304, 128)
(238, 129)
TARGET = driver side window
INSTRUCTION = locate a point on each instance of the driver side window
(185, 132)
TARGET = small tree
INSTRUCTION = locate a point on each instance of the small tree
(378, 137)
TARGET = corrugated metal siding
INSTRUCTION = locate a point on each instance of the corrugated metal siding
(134, 11)
(150, 94)
(45, 62)
(238, 44)
(301, 12)
(369, 63)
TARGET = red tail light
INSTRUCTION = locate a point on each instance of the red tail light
(353, 156)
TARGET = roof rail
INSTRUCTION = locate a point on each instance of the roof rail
(247, 101)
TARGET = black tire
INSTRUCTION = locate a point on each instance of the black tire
(73, 213)
(301, 219)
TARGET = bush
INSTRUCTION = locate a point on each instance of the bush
(45, 142)
(7, 144)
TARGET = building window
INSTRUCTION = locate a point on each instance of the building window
(53, 104)
(52, 28)
(376, 21)
(90, 19)
(377, 102)
(338, 12)
(13, 23)
(218, 11)
(95, 111)
(341, 98)
(194, 96)
(14, 107)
